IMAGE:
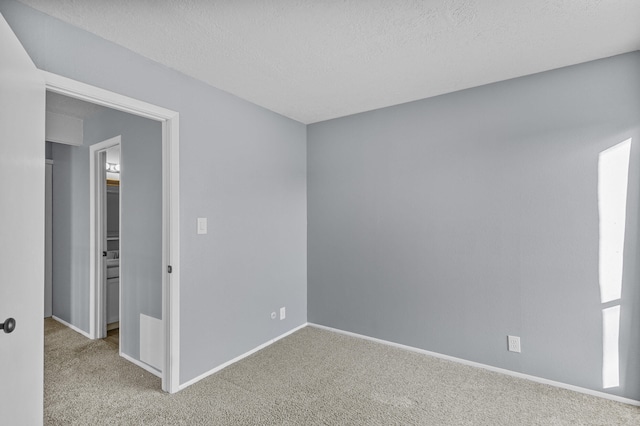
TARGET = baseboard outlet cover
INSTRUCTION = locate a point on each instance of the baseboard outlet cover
(240, 357)
(142, 365)
(71, 326)
(484, 366)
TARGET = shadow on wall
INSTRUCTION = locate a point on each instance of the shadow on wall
(613, 179)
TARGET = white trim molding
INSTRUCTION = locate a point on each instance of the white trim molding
(241, 357)
(71, 326)
(484, 366)
(141, 364)
(95, 95)
(171, 203)
(171, 252)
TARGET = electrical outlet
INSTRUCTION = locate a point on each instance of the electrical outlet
(283, 313)
(513, 343)
(273, 315)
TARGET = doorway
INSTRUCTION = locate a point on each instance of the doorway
(168, 326)
(105, 182)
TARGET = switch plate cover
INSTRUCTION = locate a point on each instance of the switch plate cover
(202, 225)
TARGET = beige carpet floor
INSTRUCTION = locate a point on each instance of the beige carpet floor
(312, 377)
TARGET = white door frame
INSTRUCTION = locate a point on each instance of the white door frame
(170, 207)
(97, 226)
(48, 241)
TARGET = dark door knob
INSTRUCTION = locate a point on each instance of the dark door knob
(8, 326)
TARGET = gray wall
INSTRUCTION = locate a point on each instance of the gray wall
(70, 234)
(447, 224)
(444, 224)
(141, 255)
(241, 166)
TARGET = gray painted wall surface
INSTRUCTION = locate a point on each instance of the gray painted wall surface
(447, 224)
(241, 166)
(70, 235)
(141, 255)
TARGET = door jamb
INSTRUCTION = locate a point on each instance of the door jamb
(170, 209)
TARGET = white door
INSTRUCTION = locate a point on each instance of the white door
(22, 105)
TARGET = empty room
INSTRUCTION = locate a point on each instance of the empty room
(364, 212)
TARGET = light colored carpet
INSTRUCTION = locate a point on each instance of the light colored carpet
(313, 377)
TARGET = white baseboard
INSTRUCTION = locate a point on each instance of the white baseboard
(123, 355)
(142, 365)
(71, 326)
(484, 366)
(240, 357)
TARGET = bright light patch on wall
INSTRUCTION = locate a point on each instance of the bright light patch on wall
(613, 174)
(613, 178)
(610, 356)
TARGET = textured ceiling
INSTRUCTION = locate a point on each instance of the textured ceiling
(317, 60)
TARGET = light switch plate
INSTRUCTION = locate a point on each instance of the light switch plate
(202, 225)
